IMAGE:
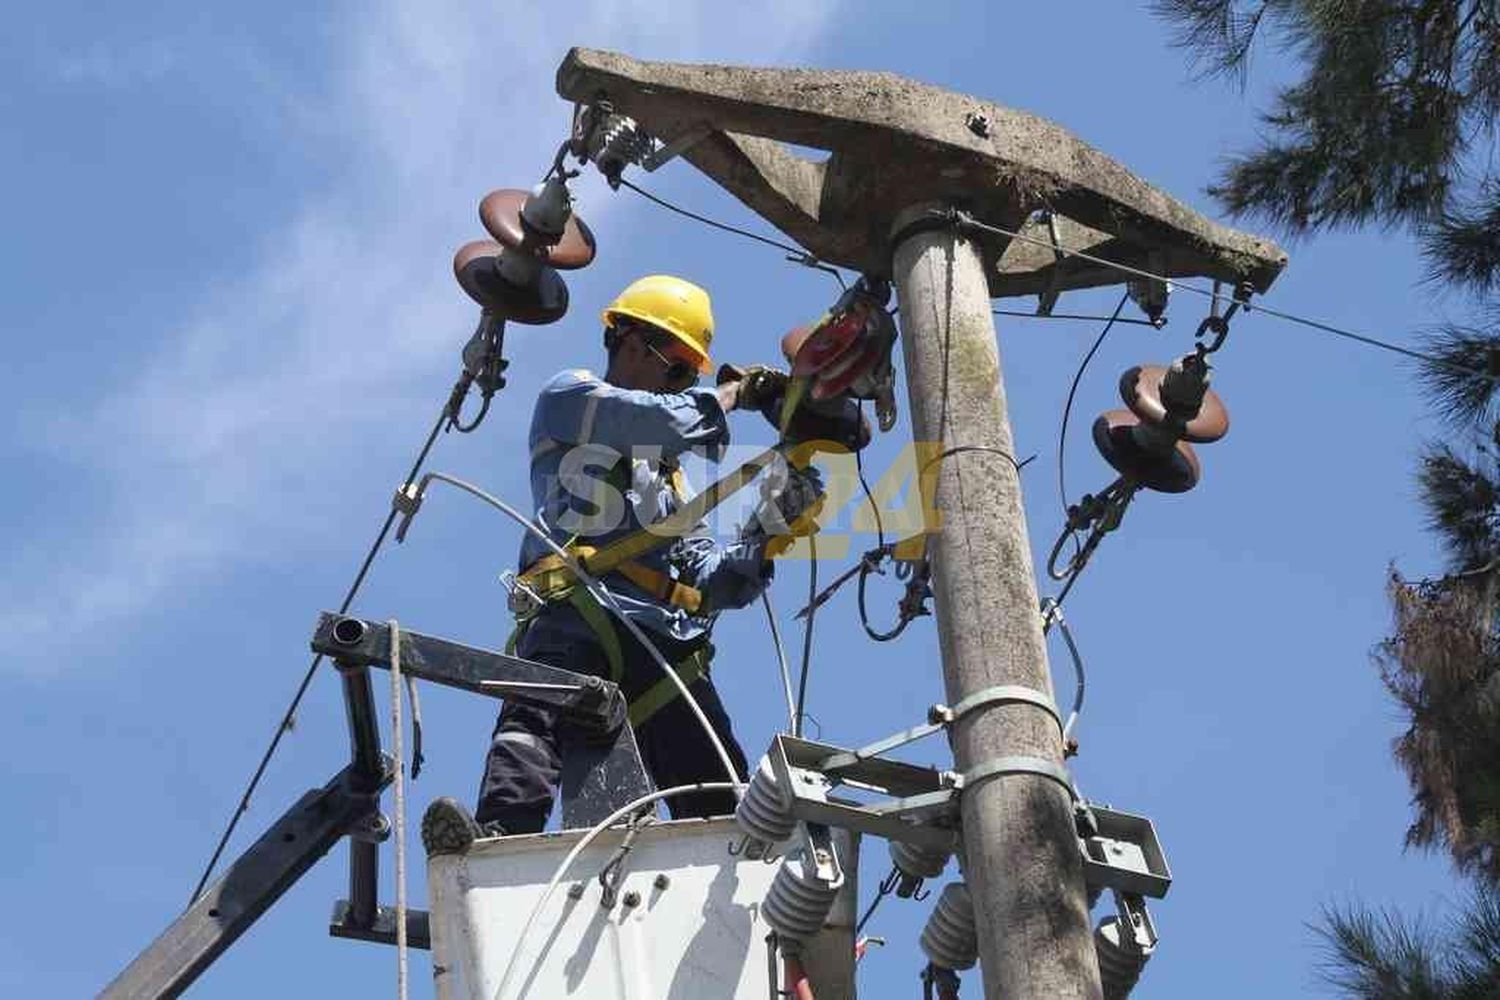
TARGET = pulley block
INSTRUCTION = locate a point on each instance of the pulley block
(1129, 445)
(811, 349)
(534, 223)
(479, 267)
(1141, 388)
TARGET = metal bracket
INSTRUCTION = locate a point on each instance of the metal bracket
(383, 929)
(1046, 299)
(941, 717)
(999, 694)
(1018, 764)
(662, 154)
(1124, 854)
(917, 795)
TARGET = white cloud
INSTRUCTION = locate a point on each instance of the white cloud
(352, 303)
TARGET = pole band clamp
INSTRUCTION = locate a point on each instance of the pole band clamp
(1018, 765)
(1000, 694)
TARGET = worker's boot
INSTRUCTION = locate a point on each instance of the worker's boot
(449, 828)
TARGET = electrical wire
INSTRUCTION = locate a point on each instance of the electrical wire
(312, 669)
(786, 672)
(605, 597)
(965, 219)
(807, 632)
(578, 848)
(1087, 319)
(1062, 434)
(1052, 615)
(795, 254)
(864, 484)
(725, 227)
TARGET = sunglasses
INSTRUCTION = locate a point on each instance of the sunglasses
(676, 369)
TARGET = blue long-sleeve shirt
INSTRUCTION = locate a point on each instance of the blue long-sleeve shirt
(581, 428)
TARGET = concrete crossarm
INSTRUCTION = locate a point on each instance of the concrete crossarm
(894, 143)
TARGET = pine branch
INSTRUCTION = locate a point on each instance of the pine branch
(1459, 381)
(1463, 248)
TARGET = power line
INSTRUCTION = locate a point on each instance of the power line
(963, 218)
(1074, 316)
(312, 669)
(796, 251)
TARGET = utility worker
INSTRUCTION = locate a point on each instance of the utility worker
(604, 464)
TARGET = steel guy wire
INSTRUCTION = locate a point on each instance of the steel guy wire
(312, 669)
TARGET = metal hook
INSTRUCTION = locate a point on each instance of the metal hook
(920, 893)
(736, 849)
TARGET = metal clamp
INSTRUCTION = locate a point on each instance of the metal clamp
(999, 694)
(1018, 765)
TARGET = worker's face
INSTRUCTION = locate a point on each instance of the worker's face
(652, 359)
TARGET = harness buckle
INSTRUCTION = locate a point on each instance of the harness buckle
(522, 601)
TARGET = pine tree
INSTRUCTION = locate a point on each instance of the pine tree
(1388, 957)
(1392, 124)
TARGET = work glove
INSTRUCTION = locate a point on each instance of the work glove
(790, 500)
(761, 386)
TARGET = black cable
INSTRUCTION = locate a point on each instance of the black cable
(963, 219)
(1062, 434)
(1073, 316)
(859, 465)
(961, 448)
(807, 632)
(799, 254)
(864, 614)
(312, 669)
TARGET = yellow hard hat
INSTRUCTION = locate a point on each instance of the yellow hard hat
(679, 307)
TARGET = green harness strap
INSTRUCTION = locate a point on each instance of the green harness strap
(660, 694)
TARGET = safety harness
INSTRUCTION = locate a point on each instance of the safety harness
(552, 581)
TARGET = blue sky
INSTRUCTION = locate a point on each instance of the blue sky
(232, 320)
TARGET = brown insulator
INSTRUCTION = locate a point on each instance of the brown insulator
(1141, 389)
(1155, 462)
(500, 212)
(477, 268)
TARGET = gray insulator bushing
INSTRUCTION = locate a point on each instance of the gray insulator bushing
(1120, 962)
(949, 940)
(619, 142)
(764, 814)
(918, 862)
(799, 901)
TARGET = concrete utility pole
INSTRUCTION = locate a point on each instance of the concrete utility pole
(1022, 863)
(899, 150)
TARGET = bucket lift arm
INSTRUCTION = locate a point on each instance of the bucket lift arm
(599, 775)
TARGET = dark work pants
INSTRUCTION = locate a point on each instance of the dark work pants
(524, 762)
